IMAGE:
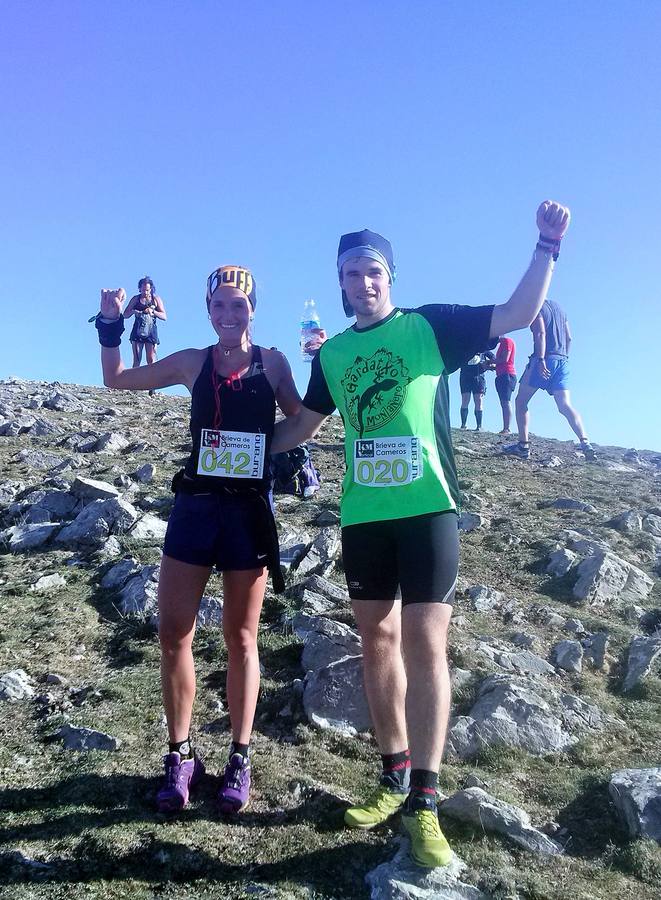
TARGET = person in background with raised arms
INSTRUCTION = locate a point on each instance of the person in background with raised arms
(548, 370)
(388, 377)
(505, 379)
(222, 515)
(147, 306)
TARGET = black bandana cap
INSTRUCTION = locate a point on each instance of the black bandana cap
(364, 243)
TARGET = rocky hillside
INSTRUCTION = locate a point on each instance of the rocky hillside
(552, 780)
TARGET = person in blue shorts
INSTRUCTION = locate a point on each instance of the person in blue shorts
(548, 370)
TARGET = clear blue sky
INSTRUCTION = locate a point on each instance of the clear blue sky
(170, 137)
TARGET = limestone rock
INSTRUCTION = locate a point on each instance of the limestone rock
(643, 652)
(315, 604)
(402, 879)
(567, 503)
(145, 474)
(139, 596)
(551, 462)
(98, 520)
(110, 549)
(522, 662)
(120, 573)
(89, 489)
(319, 585)
(628, 521)
(149, 528)
(48, 583)
(568, 656)
(650, 621)
(604, 578)
(321, 556)
(522, 712)
(75, 738)
(18, 425)
(324, 641)
(469, 521)
(293, 545)
(111, 442)
(334, 697)
(652, 525)
(210, 613)
(39, 459)
(560, 562)
(16, 685)
(575, 626)
(60, 504)
(9, 489)
(636, 794)
(27, 537)
(61, 401)
(477, 807)
(485, 598)
(596, 646)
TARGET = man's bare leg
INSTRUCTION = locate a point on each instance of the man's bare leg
(523, 397)
(424, 641)
(380, 627)
(563, 403)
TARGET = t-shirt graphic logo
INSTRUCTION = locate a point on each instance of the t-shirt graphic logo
(375, 390)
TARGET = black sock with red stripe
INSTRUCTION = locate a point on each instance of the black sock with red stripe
(396, 770)
(423, 790)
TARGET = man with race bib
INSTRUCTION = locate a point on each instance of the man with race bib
(388, 377)
(222, 516)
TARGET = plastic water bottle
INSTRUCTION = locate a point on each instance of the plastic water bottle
(309, 324)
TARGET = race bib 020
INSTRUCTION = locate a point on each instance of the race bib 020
(231, 454)
(387, 462)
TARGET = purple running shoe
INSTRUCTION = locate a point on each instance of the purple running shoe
(180, 777)
(235, 791)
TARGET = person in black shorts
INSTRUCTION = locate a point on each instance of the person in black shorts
(147, 307)
(387, 375)
(222, 515)
(472, 382)
(505, 378)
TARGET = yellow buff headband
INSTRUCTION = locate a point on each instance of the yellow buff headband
(233, 276)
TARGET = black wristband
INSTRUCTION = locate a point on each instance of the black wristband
(549, 245)
(110, 333)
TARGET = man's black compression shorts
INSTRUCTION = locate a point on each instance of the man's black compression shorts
(419, 554)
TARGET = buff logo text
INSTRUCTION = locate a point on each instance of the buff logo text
(237, 278)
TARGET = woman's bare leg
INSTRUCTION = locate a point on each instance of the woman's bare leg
(180, 590)
(243, 594)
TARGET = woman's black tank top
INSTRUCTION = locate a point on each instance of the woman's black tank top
(220, 405)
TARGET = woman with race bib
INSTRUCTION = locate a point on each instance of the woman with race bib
(222, 515)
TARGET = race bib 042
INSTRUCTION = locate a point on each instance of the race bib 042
(387, 462)
(231, 454)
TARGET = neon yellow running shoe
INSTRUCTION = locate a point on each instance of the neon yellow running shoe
(428, 844)
(378, 808)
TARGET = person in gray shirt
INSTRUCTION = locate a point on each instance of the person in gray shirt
(548, 370)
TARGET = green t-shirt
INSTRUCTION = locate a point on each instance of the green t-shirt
(389, 383)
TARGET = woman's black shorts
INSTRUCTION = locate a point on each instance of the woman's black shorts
(505, 385)
(418, 555)
(217, 530)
